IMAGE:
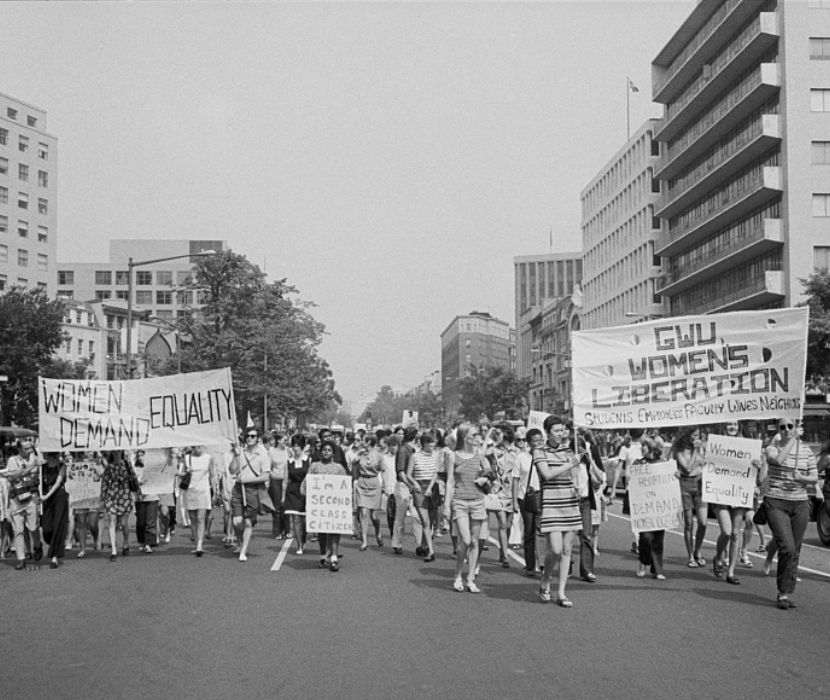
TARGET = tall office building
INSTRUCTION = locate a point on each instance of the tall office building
(540, 279)
(160, 288)
(621, 272)
(745, 153)
(475, 341)
(28, 196)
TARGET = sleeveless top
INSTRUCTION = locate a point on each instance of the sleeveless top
(466, 471)
(426, 466)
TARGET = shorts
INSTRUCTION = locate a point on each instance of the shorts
(424, 498)
(474, 510)
(23, 515)
(250, 509)
(691, 491)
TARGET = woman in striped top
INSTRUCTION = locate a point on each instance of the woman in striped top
(791, 467)
(560, 506)
(421, 475)
(465, 501)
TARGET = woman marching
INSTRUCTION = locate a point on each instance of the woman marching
(791, 468)
(688, 451)
(560, 506)
(327, 465)
(296, 469)
(117, 497)
(197, 497)
(650, 544)
(369, 468)
(55, 518)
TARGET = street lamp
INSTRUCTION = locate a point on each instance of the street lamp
(130, 266)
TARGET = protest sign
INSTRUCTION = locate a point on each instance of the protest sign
(692, 369)
(409, 418)
(536, 419)
(174, 411)
(728, 474)
(158, 476)
(83, 485)
(329, 503)
(654, 496)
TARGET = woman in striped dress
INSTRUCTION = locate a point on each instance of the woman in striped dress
(422, 473)
(560, 505)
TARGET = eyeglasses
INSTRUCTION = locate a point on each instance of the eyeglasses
(521, 440)
(252, 435)
(789, 426)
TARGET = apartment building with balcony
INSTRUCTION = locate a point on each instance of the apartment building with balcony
(745, 154)
(161, 289)
(539, 280)
(28, 197)
(620, 269)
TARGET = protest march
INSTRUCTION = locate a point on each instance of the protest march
(686, 418)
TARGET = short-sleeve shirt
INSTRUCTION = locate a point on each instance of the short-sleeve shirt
(781, 484)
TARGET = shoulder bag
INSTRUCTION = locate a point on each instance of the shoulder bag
(184, 480)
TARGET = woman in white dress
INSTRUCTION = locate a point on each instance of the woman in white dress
(197, 498)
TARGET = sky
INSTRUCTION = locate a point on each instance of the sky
(388, 160)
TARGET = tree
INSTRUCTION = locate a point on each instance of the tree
(66, 369)
(387, 407)
(268, 339)
(817, 289)
(31, 331)
(491, 389)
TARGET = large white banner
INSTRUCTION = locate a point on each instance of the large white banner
(654, 496)
(728, 474)
(691, 369)
(328, 504)
(173, 411)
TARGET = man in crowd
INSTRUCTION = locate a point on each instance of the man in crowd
(22, 473)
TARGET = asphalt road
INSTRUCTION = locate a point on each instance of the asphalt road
(385, 626)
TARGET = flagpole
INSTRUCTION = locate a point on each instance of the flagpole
(627, 108)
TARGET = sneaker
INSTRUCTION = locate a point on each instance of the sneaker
(641, 570)
(147, 549)
(745, 561)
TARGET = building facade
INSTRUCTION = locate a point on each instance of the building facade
(28, 197)
(160, 289)
(620, 270)
(469, 343)
(540, 279)
(86, 340)
(745, 154)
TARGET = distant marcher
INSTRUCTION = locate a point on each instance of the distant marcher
(117, 498)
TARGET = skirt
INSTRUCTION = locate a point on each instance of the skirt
(368, 493)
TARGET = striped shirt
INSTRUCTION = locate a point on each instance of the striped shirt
(426, 466)
(781, 484)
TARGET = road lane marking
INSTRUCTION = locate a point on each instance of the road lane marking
(510, 552)
(281, 556)
(752, 554)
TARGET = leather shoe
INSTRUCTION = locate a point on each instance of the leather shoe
(397, 550)
(53, 565)
(20, 565)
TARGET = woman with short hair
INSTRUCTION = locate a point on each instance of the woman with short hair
(54, 521)
(293, 500)
(422, 473)
(369, 469)
(688, 450)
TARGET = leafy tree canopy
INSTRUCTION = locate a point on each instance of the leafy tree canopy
(387, 407)
(817, 289)
(490, 390)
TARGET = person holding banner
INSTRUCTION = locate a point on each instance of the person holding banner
(55, 519)
(251, 466)
(560, 517)
(688, 450)
(791, 468)
(117, 498)
(22, 473)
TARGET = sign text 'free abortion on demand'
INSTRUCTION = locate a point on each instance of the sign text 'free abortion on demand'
(654, 496)
(173, 411)
(691, 369)
(728, 473)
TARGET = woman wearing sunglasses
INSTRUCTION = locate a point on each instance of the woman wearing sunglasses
(791, 468)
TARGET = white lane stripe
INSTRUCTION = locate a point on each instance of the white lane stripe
(752, 554)
(281, 556)
(510, 552)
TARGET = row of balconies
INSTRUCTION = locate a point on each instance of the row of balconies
(763, 290)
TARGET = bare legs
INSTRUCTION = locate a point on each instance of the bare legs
(694, 543)
(559, 551)
(298, 528)
(243, 528)
(125, 532)
(467, 531)
(197, 518)
(367, 514)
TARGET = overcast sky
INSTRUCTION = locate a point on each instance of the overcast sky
(390, 160)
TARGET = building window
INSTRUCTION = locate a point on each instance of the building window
(43, 178)
(22, 200)
(42, 234)
(4, 223)
(820, 100)
(144, 298)
(80, 347)
(31, 121)
(68, 293)
(122, 294)
(77, 317)
(23, 144)
(4, 166)
(185, 297)
(103, 277)
(166, 314)
(165, 298)
(184, 277)
(23, 172)
(144, 278)
(11, 113)
(43, 151)
(23, 229)
(122, 278)
(821, 205)
(820, 49)
(821, 152)
(42, 206)
(23, 282)
(91, 348)
(42, 262)
(821, 257)
(164, 277)
(22, 258)
(4, 195)
(66, 277)
(4, 253)
(101, 294)
(4, 136)
(2, 283)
